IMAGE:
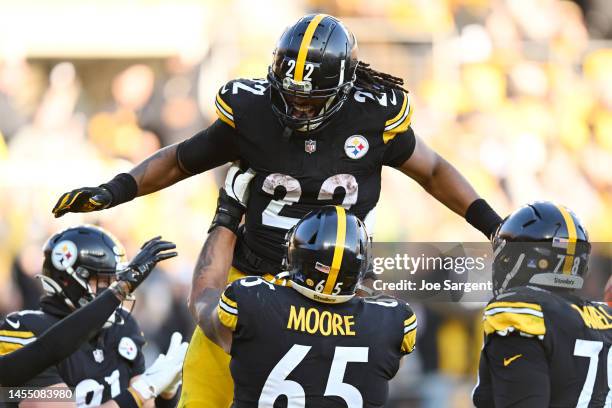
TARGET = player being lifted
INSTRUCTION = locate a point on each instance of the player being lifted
(544, 346)
(312, 349)
(79, 264)
(316, 132)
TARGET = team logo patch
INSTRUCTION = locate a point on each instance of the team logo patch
(356, 147)
(128, 349)
(310, 146)
(64, 255)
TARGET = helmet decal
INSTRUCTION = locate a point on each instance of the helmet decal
(64, 255)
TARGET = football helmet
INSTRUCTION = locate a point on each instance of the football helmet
(327, 254)
(541, 244)
(74, 256)
(312, 71)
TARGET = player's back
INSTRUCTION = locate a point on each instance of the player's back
(286, 346)
(576, 336)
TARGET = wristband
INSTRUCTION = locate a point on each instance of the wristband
(122, 187)
(229, 213)
(128, 399)
(482, 217)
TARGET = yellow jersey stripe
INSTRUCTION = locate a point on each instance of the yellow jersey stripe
(225, 119)
(6, 348)
(524, 323)
(338, 251)
(410, 320)
(229, 301)
(224, 105)
(227, 319)
(572, 237)
(521, 305)
(409, 341)
(390, 135)
(306, 40)
(19, 334)
(400, 114)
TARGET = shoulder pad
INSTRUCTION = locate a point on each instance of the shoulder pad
(229, 95)
(18, 329)
(519, 311)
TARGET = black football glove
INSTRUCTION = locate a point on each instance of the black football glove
(233, 197)
(84, 199)
(151, 252)
(229, 212)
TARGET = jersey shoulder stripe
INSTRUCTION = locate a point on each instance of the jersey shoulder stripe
(11, 340)
(227, 310)
(400, 122)
(224, 111)
(504, 317)
(410, 330)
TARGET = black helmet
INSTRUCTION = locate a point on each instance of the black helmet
(313, 68)
(541, 244)
(327, 254)
(75, 255)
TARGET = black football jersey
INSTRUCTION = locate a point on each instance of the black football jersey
(98, 371)
(287, 347)
(575, 335)
(339, 164)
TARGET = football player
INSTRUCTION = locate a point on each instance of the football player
(79, 264)
(292, 341)
(316, 132)
(544, 346)
(19, 362)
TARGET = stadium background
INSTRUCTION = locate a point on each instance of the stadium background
(516, 93)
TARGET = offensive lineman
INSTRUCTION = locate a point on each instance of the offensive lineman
(79, 264)
(544, 346)
(312, 349)
(316, 132)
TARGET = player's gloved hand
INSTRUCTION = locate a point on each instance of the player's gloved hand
(151, 252)
(85, 199)
(233, 197)
(162, 375)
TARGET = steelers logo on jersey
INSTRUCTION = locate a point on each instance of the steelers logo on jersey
(356, 147)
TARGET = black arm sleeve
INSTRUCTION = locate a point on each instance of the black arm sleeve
(400, 148)
(208, 149)
(518, 371)
(58, 342)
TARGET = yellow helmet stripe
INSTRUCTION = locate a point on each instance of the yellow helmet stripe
(303, 52)
(572, 236)
(338, 251)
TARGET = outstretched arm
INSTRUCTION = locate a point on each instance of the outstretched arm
(443, 181)
(206, 150)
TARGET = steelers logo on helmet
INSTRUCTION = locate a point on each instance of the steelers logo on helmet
(356, 147)
(64, 255)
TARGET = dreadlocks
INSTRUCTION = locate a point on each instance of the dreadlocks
(372, 80)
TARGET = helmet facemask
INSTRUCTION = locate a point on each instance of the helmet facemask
(301, 108)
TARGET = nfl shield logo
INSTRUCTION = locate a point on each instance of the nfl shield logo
(98, 355)
(310, 146)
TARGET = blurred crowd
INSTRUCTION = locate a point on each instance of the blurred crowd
(516, 93)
